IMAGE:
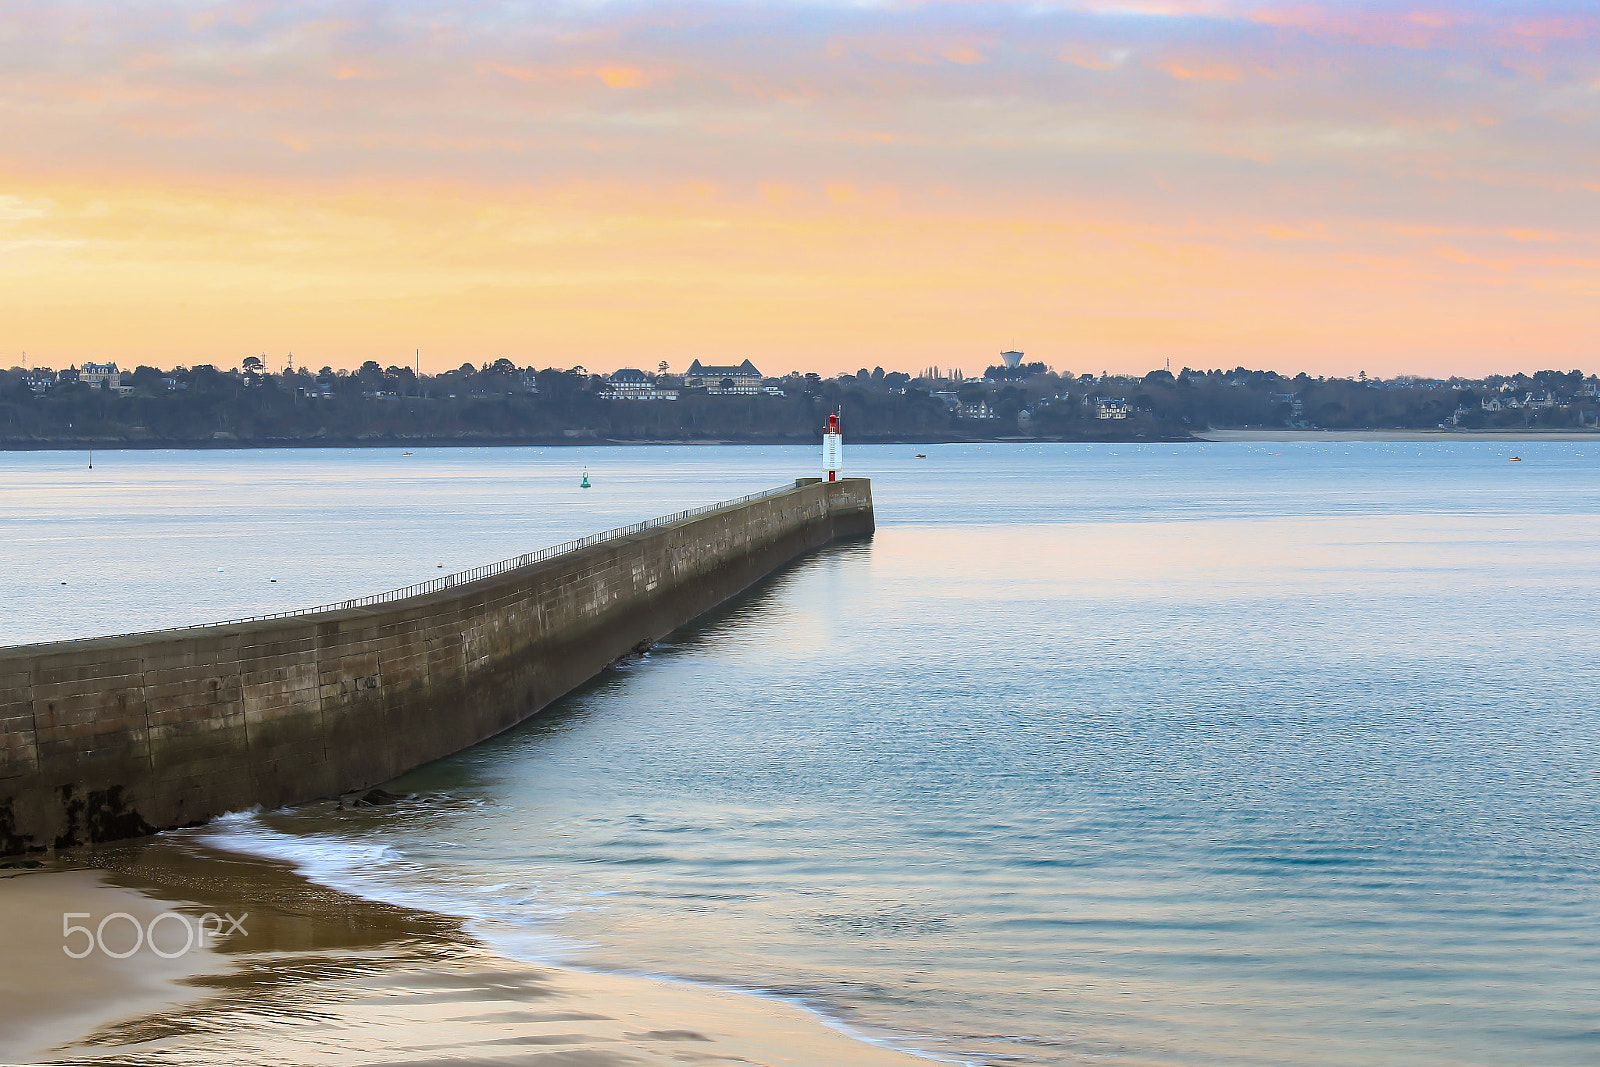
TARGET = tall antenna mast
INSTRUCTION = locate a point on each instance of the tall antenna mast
(419, 362)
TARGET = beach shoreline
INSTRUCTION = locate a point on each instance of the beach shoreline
(321, 977)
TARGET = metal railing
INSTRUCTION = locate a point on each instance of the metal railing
(488, 570)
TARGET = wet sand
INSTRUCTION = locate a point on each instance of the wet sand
(323, 978)
(45, 995)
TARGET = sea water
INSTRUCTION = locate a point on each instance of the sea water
(1267, 753)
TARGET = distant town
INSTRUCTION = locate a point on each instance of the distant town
(500, 402)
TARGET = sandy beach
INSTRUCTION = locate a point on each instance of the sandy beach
(318, 977)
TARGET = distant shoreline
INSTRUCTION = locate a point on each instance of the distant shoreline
(1198, 437)
(1219, 436)
(554, 442)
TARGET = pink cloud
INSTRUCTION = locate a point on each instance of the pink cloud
(1201, 72)
(1568, 28)
(965, 55)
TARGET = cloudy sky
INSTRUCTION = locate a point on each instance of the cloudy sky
(1106, 184)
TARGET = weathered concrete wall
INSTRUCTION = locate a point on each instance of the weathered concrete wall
(116, 737)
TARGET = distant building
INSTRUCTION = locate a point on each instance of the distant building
(743, 379)
(1013, 359)
(978, 410)
(630, 384)
(99, 375)
(104, 376)
(1106, 407)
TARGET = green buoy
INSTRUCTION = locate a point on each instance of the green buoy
(585, 483)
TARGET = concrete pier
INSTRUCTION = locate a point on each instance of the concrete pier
(117, 737)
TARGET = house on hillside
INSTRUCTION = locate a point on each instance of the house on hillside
(630, 384)
(104, 376)
(741, 380)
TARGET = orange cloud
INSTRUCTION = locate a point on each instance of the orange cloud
(1283, 232)
(622, 77)
(612, 75)
(774, 193)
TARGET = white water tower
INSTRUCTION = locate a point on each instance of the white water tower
(833, 449)
(1013, 359)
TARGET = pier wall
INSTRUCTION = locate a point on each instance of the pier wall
(121, 736)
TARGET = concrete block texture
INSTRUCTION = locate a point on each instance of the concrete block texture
(121, 736)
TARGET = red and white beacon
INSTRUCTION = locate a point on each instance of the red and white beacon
(832, 448)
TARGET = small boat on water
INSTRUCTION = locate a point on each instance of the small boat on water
(1516, 459)
(922, 455)
(408, 453)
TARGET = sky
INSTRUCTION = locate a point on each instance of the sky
(1395, 188)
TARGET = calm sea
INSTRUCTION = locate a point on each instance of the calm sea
(1207, 754)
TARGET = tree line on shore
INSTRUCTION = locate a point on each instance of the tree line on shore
(502, 402)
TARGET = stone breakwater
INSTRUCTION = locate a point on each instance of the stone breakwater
(117, 737)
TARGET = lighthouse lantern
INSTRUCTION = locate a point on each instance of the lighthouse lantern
(832, 449)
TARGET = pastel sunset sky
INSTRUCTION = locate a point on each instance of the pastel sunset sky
(1106, 184)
